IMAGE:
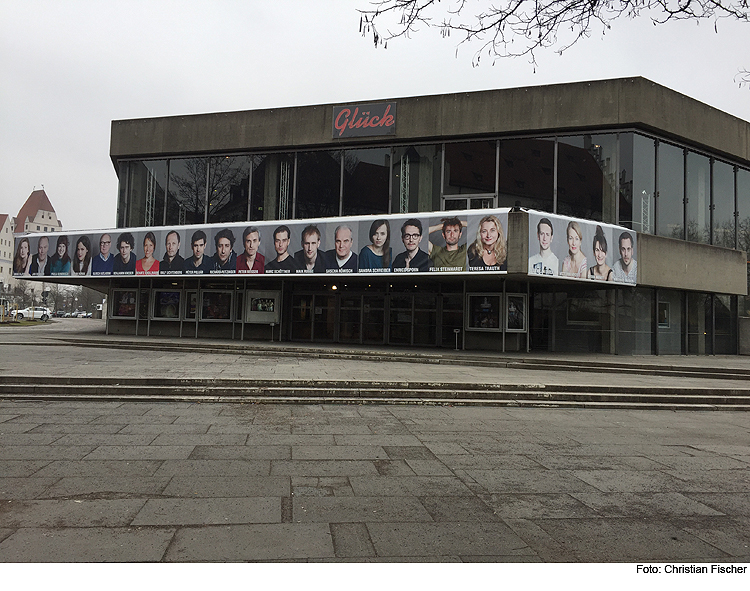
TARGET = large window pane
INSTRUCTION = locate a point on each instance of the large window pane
(273, 179)
(146, 183)
(723, 196)
(318, 184)
(635, 311)
(699, 323)
(698, 198)
(669, 323)
(416, 179)
(743, 228)
(527, 173)
(366, 174)
(637, 182)
(725, 323)
(469, 168)
(187, 191)
(587, 176)
(671, 183)
(228, 184)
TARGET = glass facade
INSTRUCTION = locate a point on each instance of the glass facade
(587, 176)
(723, 219)
(416, 178)
(527, 173)
(670, 217)
(637, 204)
(366, 181)
(698, 197)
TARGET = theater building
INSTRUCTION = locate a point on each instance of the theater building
(609, 216)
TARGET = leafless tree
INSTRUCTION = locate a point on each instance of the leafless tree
(515, 28)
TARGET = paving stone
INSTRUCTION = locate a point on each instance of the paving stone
(544, 546)
(529, 481)
(380, 439)
(69, 513)
(440, 449)
(11, 427)
(141, 452)
(241, 452)
(572, 462)
(209, 511)
(191, 439)
(7, 417)
(99, 468)
(735, 503)
(107, 439)
(322, 468)
(539, 506)
(458, 509)
(408, 452)
(415, 486)
(87, 544)
(358, 509)
(24, 488)
(338, 452)
(441, 539)
(158, 428)
(29, 439)
(729, 534)
(111, 487)
(281, 439)
(714, 480)
(643, 504)
(147, 419)
(337, 486)
(351, 540)
(634, 481)
(73, 428)
(429, 468)
(701, 464)
(44, 452)
(214, 468)
(337, 429)
(251, 542)
(20, 468)
(4, 533)
(228, 486)
(628, 540)
(393, 468)
(249, 429)
(52, 417)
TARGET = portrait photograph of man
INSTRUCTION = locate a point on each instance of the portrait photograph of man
(543, 261)
(172, 263)
(413, 258)
(283, 262)
(626, 267)
(452, 255)
(251, 261)
(224, 259)
(341, 259)
(40, 262)
(310, 258)
(199, 263)
(102, 263)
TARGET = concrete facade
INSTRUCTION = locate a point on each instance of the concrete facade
(605, 104)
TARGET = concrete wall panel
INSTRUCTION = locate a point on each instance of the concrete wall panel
(665, 262)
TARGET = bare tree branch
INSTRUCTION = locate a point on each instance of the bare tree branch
(515, 28)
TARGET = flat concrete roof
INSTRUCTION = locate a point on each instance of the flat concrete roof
(596, 105)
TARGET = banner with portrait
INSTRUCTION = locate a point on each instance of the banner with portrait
(446, 242)
(578, 249)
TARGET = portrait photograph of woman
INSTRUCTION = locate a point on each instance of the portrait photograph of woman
(488, 251)
(22, 260)
(575, 264)
(60, 261)
(82, 257)
(148, 265)
(377, 255)
(600, 271)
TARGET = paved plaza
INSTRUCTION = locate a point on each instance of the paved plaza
(93, 481)
(187, 481)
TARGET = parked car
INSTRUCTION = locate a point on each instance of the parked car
(59, 314)
(37, 312)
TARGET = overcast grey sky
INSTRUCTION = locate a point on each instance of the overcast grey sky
(67, 69)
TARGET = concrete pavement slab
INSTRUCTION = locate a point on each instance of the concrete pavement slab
(629, 540)
(251, 543)
(69, 513)
(499, 462)
(539, 506)
(228, 486)
(429, 468)
(729, 534)
(239, 468)
(358, 509)
(418, 486)
(192, 439)
(439, 539)
(108, 439)
(98, 468)
(24, 488)
(643, 504)
(141, 452)
(44, 452)
(352, 540)
(322, 467)
(290, 439)
(459, 509)
(382, 439)
(86, 545)
(393, 468)
(76, 428)
(241, 452)
(111, 487)
(408, 452)
(157, 429)
(20, 468)
(209, 511)
(734, 503)
(529, 481)
(338, 452)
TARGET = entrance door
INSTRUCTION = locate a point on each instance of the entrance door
(324, 314)
(350, 319)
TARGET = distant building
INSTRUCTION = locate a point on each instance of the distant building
(37, 215)
(6, 252)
